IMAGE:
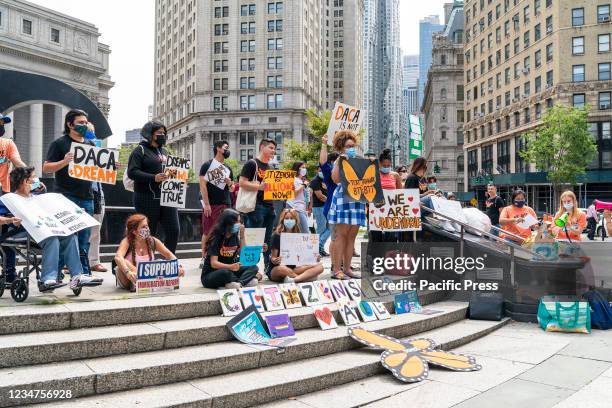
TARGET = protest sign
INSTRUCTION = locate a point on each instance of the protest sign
(272, 298)
(348, 313)
(325, 291)
(344, 117)
(353, 287)
(325, 317)
(254, 236)
(157, 277)
(291, 295)
(252, 296)
(366, 311)
(248, 328)
(450, 208)
(48, 215)
(280, 325)
(249, 255)
(93, 163)
(401, 212)
(380, 310)
(299, 249)
(174, 188)
(230, 301)
(339, 290)
(279, 185)
(361, 181)
(217, 173)
(310, 293)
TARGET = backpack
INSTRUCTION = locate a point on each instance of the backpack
(601, 311)
(128, 183)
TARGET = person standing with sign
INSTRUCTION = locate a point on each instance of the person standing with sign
(513, 217)
(319, 199)
(146, 168)
(78, 191)
(252, 179)
(416, 179)
(138, 246)
(300, 185)
(216, 186)
(389, 180)
(575, 222)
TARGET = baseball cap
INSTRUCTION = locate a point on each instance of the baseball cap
(5, 119)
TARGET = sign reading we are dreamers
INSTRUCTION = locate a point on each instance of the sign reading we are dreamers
(401, 212)
(279, 185)
(174, 188)
(344, 117)
(93, 163)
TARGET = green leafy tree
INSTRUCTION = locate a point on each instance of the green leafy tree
(562, 146)
(308, 152)
(235, 166)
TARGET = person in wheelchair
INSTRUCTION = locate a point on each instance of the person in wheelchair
(22, 179)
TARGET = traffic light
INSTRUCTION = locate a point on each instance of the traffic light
(436, 169)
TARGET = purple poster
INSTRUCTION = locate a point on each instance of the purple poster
(279, 325)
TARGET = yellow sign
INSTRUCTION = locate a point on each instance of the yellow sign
(279, 185)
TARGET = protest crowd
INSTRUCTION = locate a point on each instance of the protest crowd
(240, 218)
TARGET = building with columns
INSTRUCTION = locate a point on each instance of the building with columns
(41, 41)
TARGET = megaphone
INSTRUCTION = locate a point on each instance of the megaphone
(562, 220)
(603, 205)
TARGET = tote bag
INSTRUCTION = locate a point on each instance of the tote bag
(247, 200)
(557, 314)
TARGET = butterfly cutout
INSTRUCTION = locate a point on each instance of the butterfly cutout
(357, 187)
(408, 360)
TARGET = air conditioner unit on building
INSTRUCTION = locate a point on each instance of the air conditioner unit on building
(525, 71)
(490, 89)
(548, 30)
(604, 19)
(603, 106)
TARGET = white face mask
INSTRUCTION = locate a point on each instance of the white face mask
(568, 206)
(303, 172)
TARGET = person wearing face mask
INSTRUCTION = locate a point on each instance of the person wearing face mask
(576, 219)
(515, 214)
(78, 191)
(279, 272)
(146, 168)
(403, 172)
(222, 268)
(298, 203)
(319, 199)
(8, 155)
(389, 180)
(137, 246)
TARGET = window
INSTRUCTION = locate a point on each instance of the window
(549, 52)
(55, 35)
(549, 25)
(603, 13)
(220, 103)
(487, 159)
(443, 135)
(577, 17)
(275, 8)
(538, 84)
(503, 155)
(578, 73)
(537, 32)
(517, 70)
(538, 110)
(578, 45)
(603, 43)
(527, 88)
(604, 100)
(26, 27)
(516, 46)
(275, 101)
(536, 7)
(604, 71)
(517, 119)
(520, 164)
(578, 100)
(526, 39)
(472, 163)
(460, 92)
(507, 98)
(538, 58)
(275, 25)
(549, 78)
(247, 102)
(220, 84)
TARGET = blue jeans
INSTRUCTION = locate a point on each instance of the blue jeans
(426, 201)
(82, 236)
(322, 227)
(261, 217)
(67, 249)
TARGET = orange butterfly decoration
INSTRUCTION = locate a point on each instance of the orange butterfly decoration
(357, 187)
(408, 360)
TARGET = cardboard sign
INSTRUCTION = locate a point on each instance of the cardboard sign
(230, 302)
(380, 311)
(217, 173)
(291, 295)
(353, 288)
(348, 313)
(157, 277)
(254, 236)
(450, 208)
(252, 296)
(279, 185)
(344, 117)
(272, 298)
(93, 163)
(401, 212)
(339, 291)
(299, 249)
(366, 311)
(48, 215)
(279, 325)
(527, 222)
(360, 180)
(249, 255)
(401, 303)
(324, 291)
(325, 317)
(248, 328)
(310, 293)
(174, 189)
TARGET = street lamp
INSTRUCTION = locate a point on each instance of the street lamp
(395, 138)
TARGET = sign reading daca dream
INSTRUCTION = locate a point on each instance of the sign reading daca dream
(279, 185)
(93, 163)
(174, 188)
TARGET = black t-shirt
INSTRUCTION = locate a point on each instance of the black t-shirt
(493, 206)
(318, 185)
(414, 181)
(64, 184)
(227, 250)
(217, 196)
(248, 171)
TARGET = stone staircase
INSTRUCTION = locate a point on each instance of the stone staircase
(174, 351)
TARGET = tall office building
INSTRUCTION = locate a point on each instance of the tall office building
(427, 26)
(410, 79)
(521, 58)
(244, 70)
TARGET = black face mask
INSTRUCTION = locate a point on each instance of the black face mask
(160, 140)
(226, 154)
(2, 130)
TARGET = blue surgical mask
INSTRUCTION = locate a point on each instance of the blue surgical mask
(351, 152)
(568, 206)
(35, 183)
(321, 175)
(432, 186)
(385, 170)
(289, 223)
(90, 135)
(235, 228)
(519, 203)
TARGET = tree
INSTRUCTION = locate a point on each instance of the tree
(234, 165)
(562, 146)
(308, 152)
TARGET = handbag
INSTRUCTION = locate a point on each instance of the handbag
(601, 310)
(247, 200)
(486, 306)
(564, 314)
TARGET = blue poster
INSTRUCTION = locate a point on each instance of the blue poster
(401, 303)
(157, 277)
(249, 255)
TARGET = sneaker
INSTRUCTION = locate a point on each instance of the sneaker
(252, 282)
(323, 253)
(84, 280)
(50, 282)
(288, 279)
(233, 285)
(49, 286)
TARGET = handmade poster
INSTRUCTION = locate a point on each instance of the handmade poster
(401, 212)
(310, 293)
(344, 117)
(248, 328)
(299, 249)
(249, 255)
(325, 317)
(353, 288)
(366, 311)
(324, 291)
(272, 297)
(93, 163)
(401, 303)
(380, 310)
(413, 301)
(48, 215)
(157, 277)
(230, 301)
(348, 313)
(528, 222)
(360, 180)
(254, 236)
(449, 208)
(252, 296)
(279, 185)
(291, 295)
(174, 188)
(338, 290)
(217, 174)
(279, 325)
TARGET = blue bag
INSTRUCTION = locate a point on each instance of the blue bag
(601, 311)
(563, 314)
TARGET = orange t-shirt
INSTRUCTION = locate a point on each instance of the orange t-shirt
(574, 227)
(8, 152)
(515, 212)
